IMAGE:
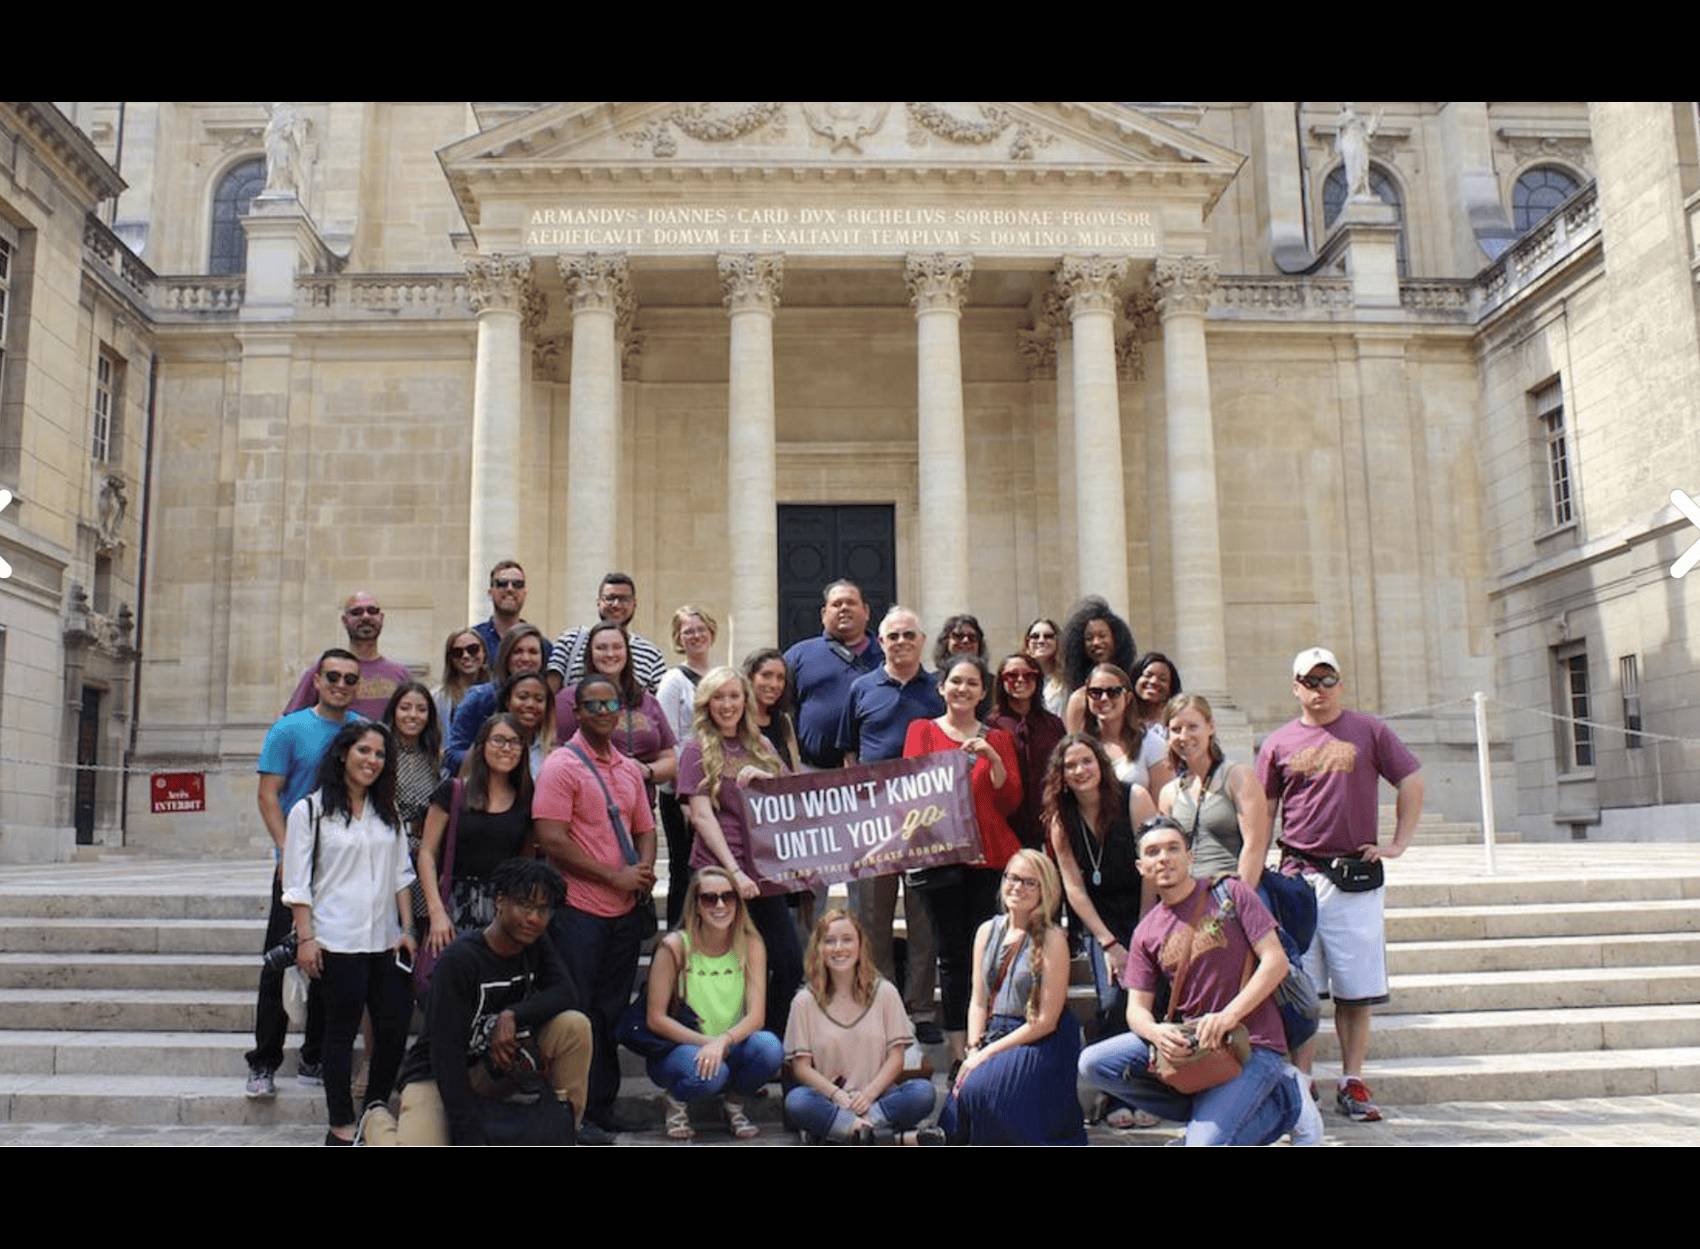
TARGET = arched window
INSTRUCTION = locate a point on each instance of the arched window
(229, 244)
(1386, 190)
(1537, 193)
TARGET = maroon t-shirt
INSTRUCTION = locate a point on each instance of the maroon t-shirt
(379, 678)
(1325, 778)
(1220, 943)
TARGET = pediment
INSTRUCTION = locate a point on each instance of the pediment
(1091, 143)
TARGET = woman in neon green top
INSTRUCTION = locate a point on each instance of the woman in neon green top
(716, 965)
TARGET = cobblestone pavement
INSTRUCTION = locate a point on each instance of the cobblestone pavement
(1672, 1120)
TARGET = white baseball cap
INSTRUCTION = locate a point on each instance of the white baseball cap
(1305, 660)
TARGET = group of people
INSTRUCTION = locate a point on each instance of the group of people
(412, 822)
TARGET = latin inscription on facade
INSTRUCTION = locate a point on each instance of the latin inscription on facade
(841, 228)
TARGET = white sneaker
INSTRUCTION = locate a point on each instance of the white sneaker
(1307, 1131)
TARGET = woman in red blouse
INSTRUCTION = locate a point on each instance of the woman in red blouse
(960, 899)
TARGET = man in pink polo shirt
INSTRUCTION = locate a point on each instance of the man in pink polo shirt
(585, 820)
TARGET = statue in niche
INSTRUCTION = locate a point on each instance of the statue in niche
(112, 506)
(286, 146)
(1351, 144)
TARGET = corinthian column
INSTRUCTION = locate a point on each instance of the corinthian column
(938, 284)
(597, 288)
(500, 291)
(1088, 286)
(751, 282)
(1182, 285)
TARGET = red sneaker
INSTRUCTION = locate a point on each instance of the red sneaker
(1353, 1098)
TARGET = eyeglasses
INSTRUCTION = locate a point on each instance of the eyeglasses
(964, 635)
(341, 678)
(903, 635)
(1110, 692)
(712, 900)
(461, 652)
(1021, 882)
(618, 598)
(1319, 683)
(367, 609)
(1012, 679)
(599, 706)
(504, 743)
(540, 909)
(509, 583)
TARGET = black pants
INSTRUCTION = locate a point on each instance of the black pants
(271, 1024)
(957, 912)
(601, 954)
(772, 918)
(676, 823)
(354, 984)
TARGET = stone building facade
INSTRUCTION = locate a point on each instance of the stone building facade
(982, 356)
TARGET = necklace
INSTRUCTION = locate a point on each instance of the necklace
(1095, 858)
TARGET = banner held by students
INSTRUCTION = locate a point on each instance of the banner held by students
(819, 828)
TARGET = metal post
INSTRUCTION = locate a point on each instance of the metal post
(1485, 769)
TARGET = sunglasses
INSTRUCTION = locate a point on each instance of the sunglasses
(369, 609)
(600, 706)
(341, 678)
(461, 652)
(711, 900)
(964, 635)
(509, 583)
(1017, 678)
(1041, 637)
(1319, 683)
(1111, 692)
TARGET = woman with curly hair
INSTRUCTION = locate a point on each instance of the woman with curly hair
(725, 753)
(1017, 1084)
(845, 1042)
(961, 634)
(1093, 635)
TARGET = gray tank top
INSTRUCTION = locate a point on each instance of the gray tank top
(1216, 844)
(1018, 984)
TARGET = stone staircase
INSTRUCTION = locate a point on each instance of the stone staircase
(126, 987)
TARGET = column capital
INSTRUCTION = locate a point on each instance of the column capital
(937, 281)
(499, 283)
(751, 280)
(1089, 283)
(1183, 285)
(596, 281)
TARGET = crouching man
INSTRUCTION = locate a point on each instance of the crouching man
(492, 992)
(1220, 954)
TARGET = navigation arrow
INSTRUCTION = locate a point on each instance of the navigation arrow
(1689, 508)
(6, 502)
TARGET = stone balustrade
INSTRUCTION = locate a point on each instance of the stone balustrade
(108, 251)
(178, 296)
(1250, 297)
(1572, 226)
(403, 295)
(1439, 298)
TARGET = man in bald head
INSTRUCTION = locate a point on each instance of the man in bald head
(363, 620)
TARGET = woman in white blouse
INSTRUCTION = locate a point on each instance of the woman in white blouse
(345, 877)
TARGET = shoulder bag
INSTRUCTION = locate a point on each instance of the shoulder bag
(644, 904)
(632, 1029)
(1203, 1068)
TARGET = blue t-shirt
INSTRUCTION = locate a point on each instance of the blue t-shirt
(294, 746)
(821, 679)
(879, 710)
(478, 706)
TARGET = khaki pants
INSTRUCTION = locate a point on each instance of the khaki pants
(563, 1042)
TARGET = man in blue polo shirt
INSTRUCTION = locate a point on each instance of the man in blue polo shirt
(289, 768)
(822, 669)
(877, 714)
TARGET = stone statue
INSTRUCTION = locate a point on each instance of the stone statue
(1351, 144)
(113, 504)
(286, 145)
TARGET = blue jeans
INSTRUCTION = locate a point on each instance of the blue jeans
(1254, 1108)
(749, 1064)
(900, 1108)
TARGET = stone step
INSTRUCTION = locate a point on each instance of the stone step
(1542, 990)
(130, 971)
(1522, 1077)
(1550, 953)
(25, 902)
(215, 1054)
(1525, 1031)
(20, 935)
(129, 1010)
(1531, 890)
(1540, 919)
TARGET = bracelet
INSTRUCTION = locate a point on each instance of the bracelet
(1109, 945)
(299, 940)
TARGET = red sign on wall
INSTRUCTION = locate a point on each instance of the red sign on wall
(179, 791)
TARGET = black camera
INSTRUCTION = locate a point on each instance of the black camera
(282, 955)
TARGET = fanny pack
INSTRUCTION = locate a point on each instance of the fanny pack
(1349, 873)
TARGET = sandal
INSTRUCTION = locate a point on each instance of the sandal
(1124, 1118)
(740, 1123)
(679, 1121)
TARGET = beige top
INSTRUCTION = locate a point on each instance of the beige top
(852, 1052)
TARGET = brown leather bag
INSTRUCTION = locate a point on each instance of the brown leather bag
(1204, 1068)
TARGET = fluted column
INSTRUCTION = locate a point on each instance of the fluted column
(938, 285)
(1089, 289)
(597, 287)
(1182, 285)
(500, 291)
(752, 282)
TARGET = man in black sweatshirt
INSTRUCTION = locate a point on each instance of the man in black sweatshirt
(491, 991)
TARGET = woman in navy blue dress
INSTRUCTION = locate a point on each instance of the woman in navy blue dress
(1017, 1084)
